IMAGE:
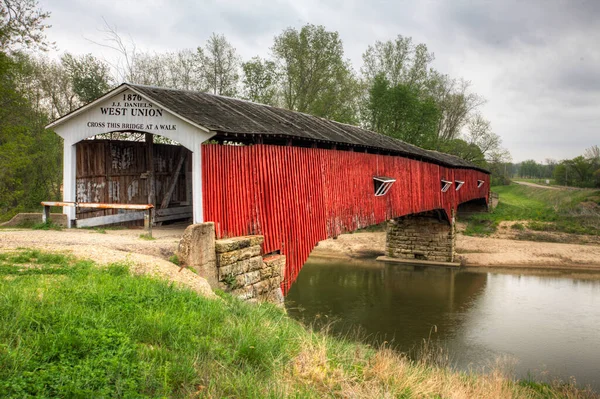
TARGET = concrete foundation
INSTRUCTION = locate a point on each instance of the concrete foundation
(424, 237)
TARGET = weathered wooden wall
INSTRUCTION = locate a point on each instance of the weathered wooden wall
(114, 172)
(297, 197)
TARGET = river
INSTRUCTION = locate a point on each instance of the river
(541, 325)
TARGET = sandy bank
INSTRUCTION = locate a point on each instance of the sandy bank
(495, 251)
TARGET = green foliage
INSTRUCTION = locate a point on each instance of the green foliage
(315, 77)
(174, 259)
(402, 112)
(467, 151)
(30, 156)
(530, 169)
(260, 81)
(147, 237)
(230, 281)
(89, 76)
(220, 65)
(577, 172)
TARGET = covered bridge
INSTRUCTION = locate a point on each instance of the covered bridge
(252, 169)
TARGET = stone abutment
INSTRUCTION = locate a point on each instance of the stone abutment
(235, 265)
(426, 236)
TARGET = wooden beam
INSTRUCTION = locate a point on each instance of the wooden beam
(188, 215)
(174, 177)
(150, 168)
(174, 211)
(110, 219)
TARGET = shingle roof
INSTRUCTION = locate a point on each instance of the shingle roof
(226, 115)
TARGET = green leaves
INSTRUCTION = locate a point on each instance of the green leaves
(260, 81)
(30, 157)
(401, 111)
(315, 77)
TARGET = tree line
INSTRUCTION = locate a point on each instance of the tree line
(396, 92)
(581, 171)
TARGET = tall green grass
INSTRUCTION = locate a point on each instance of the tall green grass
(68, 329)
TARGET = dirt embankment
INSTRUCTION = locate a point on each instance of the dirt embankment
(504, 248)
(144, 256)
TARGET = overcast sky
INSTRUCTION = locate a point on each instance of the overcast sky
(537, 62)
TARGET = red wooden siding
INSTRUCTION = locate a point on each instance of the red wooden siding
(297, 197)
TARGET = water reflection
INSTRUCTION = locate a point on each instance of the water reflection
(549, 323)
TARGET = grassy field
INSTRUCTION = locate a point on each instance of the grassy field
(70, 329)
(568, 211)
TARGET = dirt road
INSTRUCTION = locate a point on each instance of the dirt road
(526, 183)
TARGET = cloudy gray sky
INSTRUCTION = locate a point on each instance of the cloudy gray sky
(537, 62)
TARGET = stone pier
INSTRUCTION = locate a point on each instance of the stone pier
(421, 237)
(235, 265)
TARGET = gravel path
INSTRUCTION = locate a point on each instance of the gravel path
(143, 256)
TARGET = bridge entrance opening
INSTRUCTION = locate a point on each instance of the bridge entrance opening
(133, 168)
(124, 163)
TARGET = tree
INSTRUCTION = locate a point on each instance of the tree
(402, 62)
(220, 65)
(30, 156)
(399, 61)
(549, 167)
(467, 151)
(260, 81)
(400, 111)
(184, 70)
(583, 170)
(479, 133)
(315, 77)
(530, 169)
(22, 25)
(456, 103)
(499, 164)
(90, 77)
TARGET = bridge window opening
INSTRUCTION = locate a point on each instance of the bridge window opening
(382, 185)
(458, 184)
(480, 183)
(445, 185)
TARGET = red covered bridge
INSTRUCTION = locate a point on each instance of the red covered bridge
(253, 169)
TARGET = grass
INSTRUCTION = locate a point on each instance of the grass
(174, 259)
(74, 330)
(147, 237)
(567, 211)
